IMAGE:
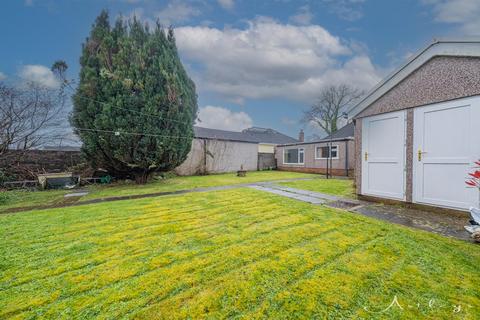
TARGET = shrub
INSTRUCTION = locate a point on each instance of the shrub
(4, 197)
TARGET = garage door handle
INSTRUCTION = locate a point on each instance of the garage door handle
(366, 156)
(420, 153)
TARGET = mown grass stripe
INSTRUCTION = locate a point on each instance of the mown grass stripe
(247, 239)
(110, 218)
(257, 263)
(140, 231)
(304, 273)
(235, 269)
(139, 275)
(139, 227)
(202, 228)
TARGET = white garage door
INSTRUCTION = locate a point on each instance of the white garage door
(446, 142)
(383, 155)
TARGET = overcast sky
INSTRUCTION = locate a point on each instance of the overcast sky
(255, 63)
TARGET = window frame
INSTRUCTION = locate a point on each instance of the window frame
(337, 146)
(300, 150)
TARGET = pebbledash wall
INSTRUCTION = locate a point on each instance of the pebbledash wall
(440, 79)
(313, 165)
(217, 156)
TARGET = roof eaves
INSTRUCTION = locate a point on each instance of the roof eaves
(225, 139)
(315, 142)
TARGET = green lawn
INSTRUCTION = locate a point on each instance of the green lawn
(341, 187)
(237, 253)
(23, 199)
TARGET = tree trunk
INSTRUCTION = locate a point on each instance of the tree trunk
(142, 177)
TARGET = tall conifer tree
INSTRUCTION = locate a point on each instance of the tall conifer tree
(135, 105)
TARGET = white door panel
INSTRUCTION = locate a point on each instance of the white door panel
(446, 142)
(380, 181)
(383, 155)
(442, 130)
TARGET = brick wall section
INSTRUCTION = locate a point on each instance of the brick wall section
(38, 161)
(310, 161)
(335, 172)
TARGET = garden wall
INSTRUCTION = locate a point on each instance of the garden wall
(217, 156)
(25, 165)
(266, 161)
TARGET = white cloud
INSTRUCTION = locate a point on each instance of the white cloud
(303, 16)
(40, 75)
(463, 13)
(2, 76)
(349, 10)
(289, 122)
(226, 4)
(177, 12)
(139, 13)
(272, 60)
(223, 118)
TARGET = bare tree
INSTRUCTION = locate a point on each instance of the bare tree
(29, 115)
(332, 101)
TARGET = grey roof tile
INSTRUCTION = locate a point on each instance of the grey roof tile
(344, 132)
(253, 135)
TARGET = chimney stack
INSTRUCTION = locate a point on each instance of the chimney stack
(301, 136)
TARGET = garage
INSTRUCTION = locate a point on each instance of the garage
(417, 133)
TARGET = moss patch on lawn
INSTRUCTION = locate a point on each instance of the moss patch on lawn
(338, 187)
(229, 254)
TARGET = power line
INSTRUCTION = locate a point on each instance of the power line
(123, 108)
(118, 133)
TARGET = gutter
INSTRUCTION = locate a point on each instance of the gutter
(315, 142)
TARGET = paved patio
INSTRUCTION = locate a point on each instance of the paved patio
(446, 224)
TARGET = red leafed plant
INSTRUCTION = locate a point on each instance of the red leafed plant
(474, 179)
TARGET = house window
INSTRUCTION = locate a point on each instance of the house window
(293, 156)
(322, 152)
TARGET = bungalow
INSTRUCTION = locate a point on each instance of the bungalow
(417, 131)
(215, 151)
(335, 153)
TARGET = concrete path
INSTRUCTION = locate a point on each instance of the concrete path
(309, 196)
(296, 196)
(450, 225)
